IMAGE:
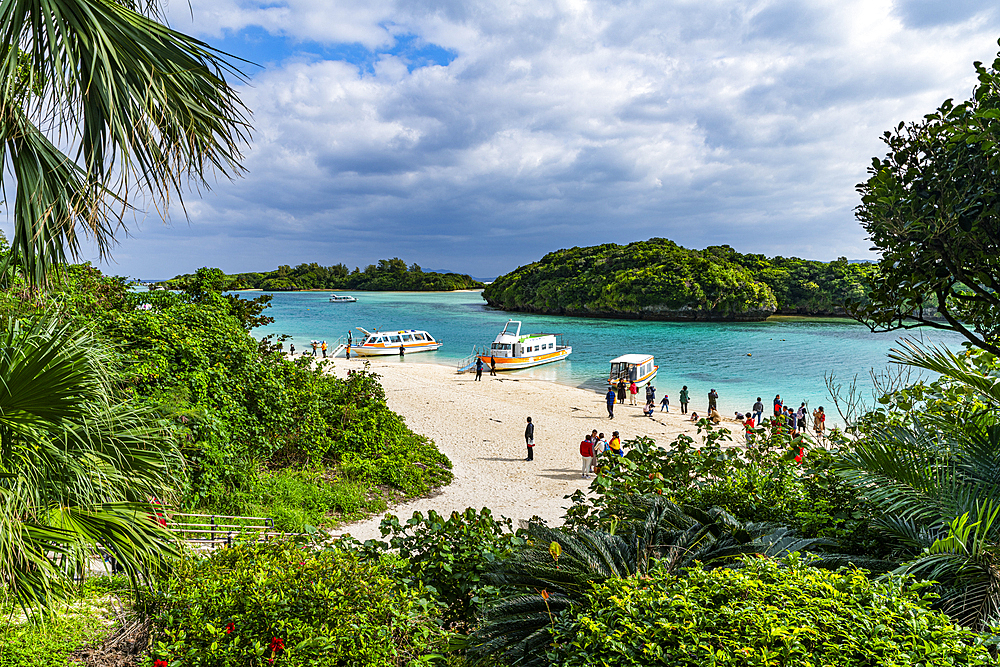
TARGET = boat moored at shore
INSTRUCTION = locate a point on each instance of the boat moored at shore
(636, 368)
(384, 343)
(512, 351)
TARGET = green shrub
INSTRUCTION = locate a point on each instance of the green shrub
(286, 604)
(764, 614)
(449, 556)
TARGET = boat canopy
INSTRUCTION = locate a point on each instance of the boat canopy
(632, 359)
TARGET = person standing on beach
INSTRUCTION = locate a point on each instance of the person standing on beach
(777, 405)
(684, 397)
(291, 349)
(819, 421)
(650, 392)
(323, 347)
(713, 400)
(402, 350)
(621, 390)
(314, 343)
(801, 417)
(665, 404)
(479, 369)
(758, 411)
(632, 390)
(493, 366)
(347, 350)
(610, 398)
(529, 440)
(587, 453)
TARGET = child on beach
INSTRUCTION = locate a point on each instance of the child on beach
(665, 404)
(649, 409)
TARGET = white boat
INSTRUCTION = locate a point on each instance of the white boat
(343, 298)
(384, 343)
(636, 368)
(512, 351)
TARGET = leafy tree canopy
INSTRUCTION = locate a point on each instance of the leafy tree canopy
(389, 275)
(932, 208)
(658, 279)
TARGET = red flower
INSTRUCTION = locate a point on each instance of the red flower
(798, 458)
(230, 627)
(160, 663)
(277, 644)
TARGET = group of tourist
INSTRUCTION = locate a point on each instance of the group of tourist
(795, 420)
(593, 445)
(632, 389)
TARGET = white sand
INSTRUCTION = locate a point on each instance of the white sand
(479, 426)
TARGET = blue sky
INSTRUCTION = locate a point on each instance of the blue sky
(478, 135)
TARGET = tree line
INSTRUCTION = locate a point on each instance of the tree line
(389, 275)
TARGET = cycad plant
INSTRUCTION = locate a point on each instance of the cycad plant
(558, 567)
(78, 468)
(935, 476)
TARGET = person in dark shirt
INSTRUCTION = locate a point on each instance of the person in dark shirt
(529, 440)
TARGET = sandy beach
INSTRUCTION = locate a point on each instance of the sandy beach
(480, 427)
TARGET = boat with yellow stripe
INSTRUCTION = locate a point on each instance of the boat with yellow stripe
(384, 343)
(636, 368)
(512, 351)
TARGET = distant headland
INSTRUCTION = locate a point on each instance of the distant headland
(389, 275)
(660, 280)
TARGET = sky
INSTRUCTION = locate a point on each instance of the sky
(477, 135)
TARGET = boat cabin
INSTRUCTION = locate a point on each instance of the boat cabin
(632, 368)
(397, 338)
(510, 343)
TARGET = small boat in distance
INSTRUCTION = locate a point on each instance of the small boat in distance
(343, 298)
(385, 343)
(636, 368)
(513, 351)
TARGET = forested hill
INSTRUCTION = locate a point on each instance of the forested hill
(658, 279)
(389, 275)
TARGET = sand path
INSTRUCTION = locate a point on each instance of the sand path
(480, 427)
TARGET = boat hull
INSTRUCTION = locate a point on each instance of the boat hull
(381, 351)
(516, 363)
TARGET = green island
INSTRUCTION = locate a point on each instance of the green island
(871, 545)
(389, 275)
(660, 280)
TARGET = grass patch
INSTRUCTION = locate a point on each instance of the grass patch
(86, 619)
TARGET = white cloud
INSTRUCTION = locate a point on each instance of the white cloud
(565, 122)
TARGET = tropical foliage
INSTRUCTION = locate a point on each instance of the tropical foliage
(290, 604)
(258, 434)
(933, 479)
(389, 275)
(930, 209)
(168, 119)
(79, 466)
(657, 279)
(765, 612)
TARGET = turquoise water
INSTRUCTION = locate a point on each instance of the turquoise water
(789, 355)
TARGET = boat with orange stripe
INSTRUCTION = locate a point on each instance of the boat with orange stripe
(513, 351)
(384, 343)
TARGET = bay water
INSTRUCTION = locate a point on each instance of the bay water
(740, 360)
